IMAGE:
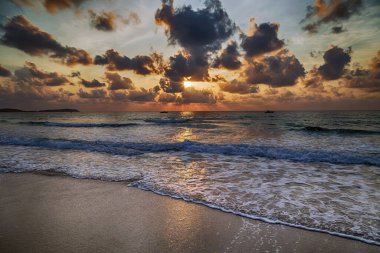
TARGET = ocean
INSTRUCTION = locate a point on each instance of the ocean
(314, 170)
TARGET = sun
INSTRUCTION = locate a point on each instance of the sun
(187, 84)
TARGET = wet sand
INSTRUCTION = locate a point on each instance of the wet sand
(40, 213)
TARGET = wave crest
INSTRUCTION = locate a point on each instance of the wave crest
(135, 148)
(61, 124)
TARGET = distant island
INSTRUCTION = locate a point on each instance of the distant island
(51, 110)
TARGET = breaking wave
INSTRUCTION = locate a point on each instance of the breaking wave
(137, 148)
(59, 124)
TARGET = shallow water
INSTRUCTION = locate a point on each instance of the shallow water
(317, 170)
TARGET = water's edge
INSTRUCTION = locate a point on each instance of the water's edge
(132, 183)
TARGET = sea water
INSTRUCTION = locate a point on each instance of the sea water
(313, 170)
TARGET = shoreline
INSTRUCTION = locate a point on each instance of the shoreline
(266, 220)
(212, 206)
(58, 213)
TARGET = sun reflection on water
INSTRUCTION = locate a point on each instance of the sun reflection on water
(184, 133)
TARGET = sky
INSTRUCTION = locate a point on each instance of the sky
(153, 55)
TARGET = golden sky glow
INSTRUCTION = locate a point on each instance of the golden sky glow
(143, 55)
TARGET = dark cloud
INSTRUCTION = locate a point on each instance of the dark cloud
(315, 53)
(30, 87)
(218, 78)
(105, 21)
(337, 29)
(200, 32)
(170, 86)
(117, 82)
(75, 74)
(311, 28)
(30, 97)
(141, 64)
(183, 67)
(92, 84)
(143, 95)
(31, 75)
(229, 58)
(51, 6)
(263, 40)
(20, 33)
(23, 2)
(168, 98)
(239, 87)
(313, 80)
(4, 72)
(198, 29)
(137, 95)
(279, 70)
(132, 18)
(98, 93)
(332, 12)
(56, 5)
(192, 95)
(336, 59)
(366, 79)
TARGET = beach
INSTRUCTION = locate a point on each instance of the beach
(41, 213)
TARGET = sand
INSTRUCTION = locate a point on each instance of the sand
(40, 213)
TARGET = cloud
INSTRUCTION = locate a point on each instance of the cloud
(31, 75)
(168, 98)
(204, 29)
(22, 2)
(239, 87)
(4, 72)
(263, 40)
(170, 86)
(20, 33)
(75, 74)
(29, 96)
(337, 29)
(143, 95)
(137, 95)
(279, 70)
(229, 58)
(332, 12)
(51, 6)
(132, 18)
(31, 87)
(313, 80)
(200, 32)
(93, 94)
(56, 5)
(183, 66)
(141, 64)
(366, 79)
(92, 84)
(192, 95)
(105, 21)
(336, 59)
(117, 82)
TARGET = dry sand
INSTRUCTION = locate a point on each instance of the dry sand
(59, 214)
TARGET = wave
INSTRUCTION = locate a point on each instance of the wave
(136, 148)
(60, 124)
(271, 220)
(70, 144)
(166, 121)
(114, 125)
(338, 130)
